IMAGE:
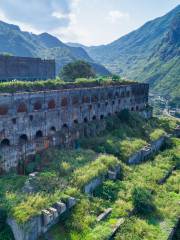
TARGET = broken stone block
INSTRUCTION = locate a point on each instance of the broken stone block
(61, 207)
(71, 202)
(54, 212)
(112, 175)
(47, 217)
(104, 214)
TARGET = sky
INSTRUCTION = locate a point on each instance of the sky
(90, 22)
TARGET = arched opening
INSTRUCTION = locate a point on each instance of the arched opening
(99, 105)
(65, 126)
(14, 120)
(85, 120)
(31, 118)
(52, 130)
(3, 110)
(75, 100)
(5, 142)
(64, 102)
(132, 109)
(94, 118)
(39, 134)
(90, 107)
(109, 114)
(102, 117)
(22, 108)
(106, 104)
(113, 102)
(85, 99)
(75, 121)
(23, 138)
(37, 106)
(94, 98)
(137, 108)
(51, 104)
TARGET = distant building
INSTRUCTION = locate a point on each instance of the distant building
(26, 68)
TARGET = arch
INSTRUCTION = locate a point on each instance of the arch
(5, 142)
(85, 120)
(52, 130)
(22, 108)
(85, 99)
(99, 105)
(14, 120)
(132, 109)
(116, 94)
(51, 104)
(102, 117)
(75, 100)
(94, 98)
(110, 95)
(39, 134)
(64, 102)
(31, 117)
(76, 121)
(94, 117)
(137, 108)
(23, 138)
(3, 110)
(65, 126)
(113, 102)
(37, 106)
(90, 107)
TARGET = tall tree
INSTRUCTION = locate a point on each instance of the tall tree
(77, 69)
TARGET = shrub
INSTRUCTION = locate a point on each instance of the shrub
(143, 201)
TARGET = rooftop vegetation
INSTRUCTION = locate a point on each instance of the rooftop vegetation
(25, 86)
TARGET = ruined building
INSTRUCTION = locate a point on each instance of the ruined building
(26, 68)
(33, 121)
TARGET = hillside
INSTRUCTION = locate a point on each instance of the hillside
(150, 54)
(19, 43)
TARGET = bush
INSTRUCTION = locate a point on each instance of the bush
(143, 201)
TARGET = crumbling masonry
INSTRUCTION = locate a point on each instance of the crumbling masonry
(33, 121)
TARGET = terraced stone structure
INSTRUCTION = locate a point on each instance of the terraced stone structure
(26, 68)
(33, 121)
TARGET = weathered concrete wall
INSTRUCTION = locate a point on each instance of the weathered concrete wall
(40, 224)
(146, 152)
(112, 174)
(26, 68)
(31, 122)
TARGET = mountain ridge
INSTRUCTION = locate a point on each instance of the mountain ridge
(25, 44)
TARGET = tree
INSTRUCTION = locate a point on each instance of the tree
(143, 201)
(77, 69)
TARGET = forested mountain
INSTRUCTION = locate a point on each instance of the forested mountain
(19, 43)
(150, 54)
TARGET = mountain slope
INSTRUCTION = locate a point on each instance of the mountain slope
(19, 43)
(150, 54)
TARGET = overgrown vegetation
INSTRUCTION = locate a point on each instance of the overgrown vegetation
(64, 173)
(20, 86)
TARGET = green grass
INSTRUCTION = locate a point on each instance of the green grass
(156, 134)
(20, 86)
(155, 226)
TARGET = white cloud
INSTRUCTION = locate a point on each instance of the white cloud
(115, 16)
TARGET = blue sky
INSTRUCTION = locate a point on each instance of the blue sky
(91, 22)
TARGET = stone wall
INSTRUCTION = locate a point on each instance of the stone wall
(31, 122)
(26, 68)
(40, 224)
(146, 152)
